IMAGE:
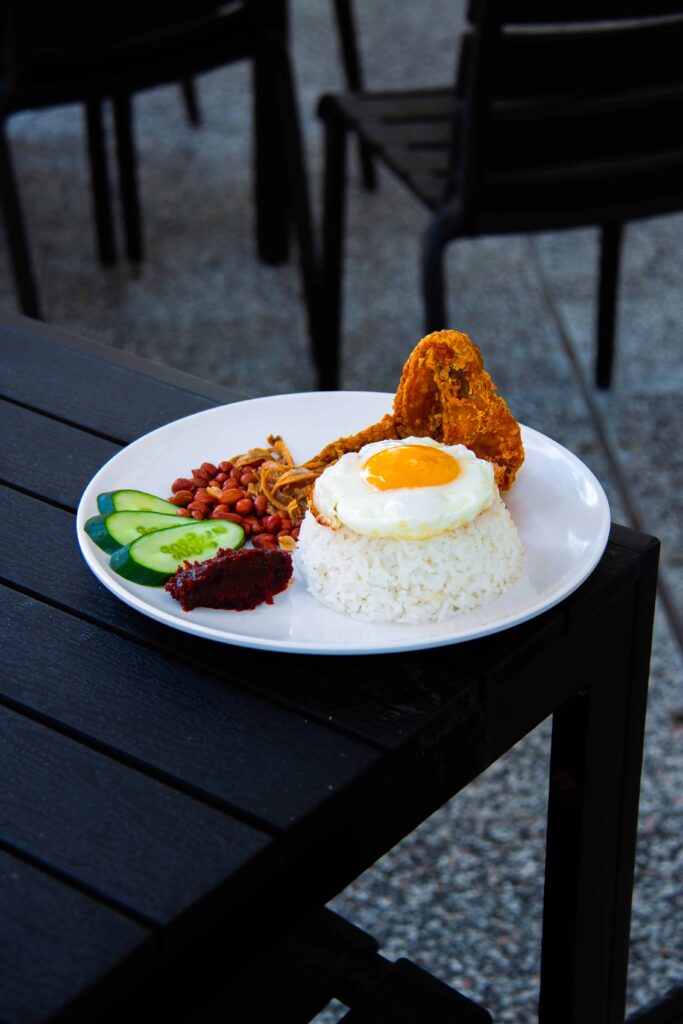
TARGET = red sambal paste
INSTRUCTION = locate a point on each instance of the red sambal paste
(235, 580)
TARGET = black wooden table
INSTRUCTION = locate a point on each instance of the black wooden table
(172, 809)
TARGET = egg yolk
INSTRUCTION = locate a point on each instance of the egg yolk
(412, 465)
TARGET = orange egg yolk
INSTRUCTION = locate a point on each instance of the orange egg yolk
(411, 465)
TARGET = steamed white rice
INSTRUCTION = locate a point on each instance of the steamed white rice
(387, 580)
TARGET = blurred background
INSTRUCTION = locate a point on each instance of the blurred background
(462, 895)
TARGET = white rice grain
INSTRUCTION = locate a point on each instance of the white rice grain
(387, 580)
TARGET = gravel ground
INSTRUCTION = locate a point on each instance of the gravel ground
(462, 894)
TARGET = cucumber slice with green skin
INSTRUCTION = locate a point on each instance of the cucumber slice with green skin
(154, 558)
(120, 528)
(133, 501)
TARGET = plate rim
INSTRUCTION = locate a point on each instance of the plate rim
(290, 646)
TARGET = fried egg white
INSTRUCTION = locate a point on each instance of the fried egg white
(409, 489)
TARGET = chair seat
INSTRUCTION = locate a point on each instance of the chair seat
(328, 957)
(130, 58)
(410, 131)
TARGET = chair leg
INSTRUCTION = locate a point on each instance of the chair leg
(298, 189)
(22, 266)
(610, 251)
(334, 202)
(128, 183)
(99, 178)
(191, 102)
(440, 231)
(351, 62)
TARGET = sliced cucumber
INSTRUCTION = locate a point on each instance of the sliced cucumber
(120, 528)
(154, 558)
(133, 501)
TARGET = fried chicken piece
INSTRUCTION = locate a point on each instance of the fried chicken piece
(445, 393)
(385, 430)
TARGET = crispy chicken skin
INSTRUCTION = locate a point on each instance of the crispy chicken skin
(445, 393)
(383, 431)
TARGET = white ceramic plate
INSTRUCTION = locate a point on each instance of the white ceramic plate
(558, 505)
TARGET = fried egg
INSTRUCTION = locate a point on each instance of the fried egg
(409, 489)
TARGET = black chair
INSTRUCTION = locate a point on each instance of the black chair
(327, 958)
(55, 54)
(562, 115)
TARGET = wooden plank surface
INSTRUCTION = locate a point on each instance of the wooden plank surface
(56, 941)
(132, 841)
(70, 385)
(48, 458)
(271, 766)
(14, 327)
(383, 700)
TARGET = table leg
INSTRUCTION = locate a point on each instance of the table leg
(592, 817)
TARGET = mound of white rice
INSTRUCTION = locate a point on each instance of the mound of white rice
(387, 580)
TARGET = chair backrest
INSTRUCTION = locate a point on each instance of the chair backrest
(570, 112)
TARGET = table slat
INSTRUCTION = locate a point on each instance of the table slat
(272, 766)
(47, 458)
(55, 942)
(70, 384)
(81, 813)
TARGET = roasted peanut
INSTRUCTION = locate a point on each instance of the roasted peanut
(233, 517)
(253, 523)
(231, 495)
(273, 524)
(260, 505)
(181, 484)
(181, 498)
(265, 542)
(226, 491)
